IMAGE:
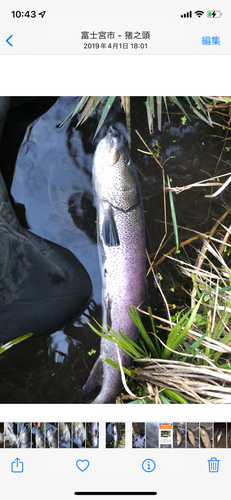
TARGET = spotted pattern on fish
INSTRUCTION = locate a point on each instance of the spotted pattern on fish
(121, 242)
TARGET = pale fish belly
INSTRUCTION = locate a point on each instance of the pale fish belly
(123, 276)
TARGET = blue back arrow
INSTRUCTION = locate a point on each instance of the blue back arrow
(7, 40)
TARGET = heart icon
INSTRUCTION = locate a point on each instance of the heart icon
(82, 465)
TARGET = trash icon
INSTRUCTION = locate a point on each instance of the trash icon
(213, 464)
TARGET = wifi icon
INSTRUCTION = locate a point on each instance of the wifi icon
(199, 13)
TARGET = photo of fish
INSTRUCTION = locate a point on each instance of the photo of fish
(79, 434)
(229, 435)
(38, 434)
(98, 195)
(193, 435)
(138, 435)
(24, 434)
(1, 434)
(179, 435)
(65, 435)
(206, 435)
(92, 435)
(152, 435)
(51, 435)
(220, 435)
(10, 435)
(115, 435)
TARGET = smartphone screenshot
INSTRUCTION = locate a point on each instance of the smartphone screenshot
(115, 250)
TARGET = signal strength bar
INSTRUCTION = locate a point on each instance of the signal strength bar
(188, 14)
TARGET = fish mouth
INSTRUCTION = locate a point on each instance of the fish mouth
(113, 131)
(111, 147)
(114, 138)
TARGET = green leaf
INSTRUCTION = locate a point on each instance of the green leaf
(118, 341)
(166, 106)
(196, 344)
(150, 113)
(175, 100)
(106, 110)
(225, 366)
(144, 401)
(133, 313)
(74, 112)
(116, 365)
(173, 212)
(15, 342)
(180, 331)
(158, 347)
(136, 402)
(223, 290)
(142, 351)
(218, 330)
(159, 110)
(164, 399)
(89, 108)
(176, 398)
(207, 119)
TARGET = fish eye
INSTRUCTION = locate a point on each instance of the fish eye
(126, 159)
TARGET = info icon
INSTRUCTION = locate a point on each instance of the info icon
(148, 465)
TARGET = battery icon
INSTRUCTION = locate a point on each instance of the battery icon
(214, 13)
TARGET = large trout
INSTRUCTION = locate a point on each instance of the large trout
(121, 243)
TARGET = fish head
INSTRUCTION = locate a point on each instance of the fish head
(114, 175)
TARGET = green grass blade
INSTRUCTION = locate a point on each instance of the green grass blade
(175, 100)
(209, 333)
(196, 344)
(142, 344)
(133, 313)
(74, 112)
(173, 212)
(150, 113)
(143, 352)
(159, 110)
(14, 342)
(203, 118)
(223, 290)
(188, 100)
(143, 401)
(158, 347)
(116, 365)
(164, 400)
(116, 339)
(218, 330)
(127, 103)
(89, 109)
(166, 106)
(199, 103)
(177, 336)
(176, 329)
(187, 347)
(106, 110)
(176, 398)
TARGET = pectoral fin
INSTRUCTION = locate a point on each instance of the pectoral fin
(109, 229)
